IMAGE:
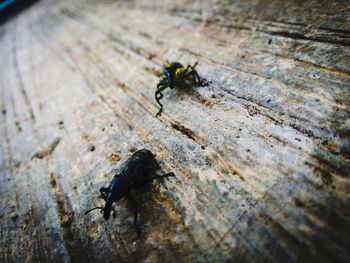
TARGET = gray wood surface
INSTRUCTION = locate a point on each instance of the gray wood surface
(261, 156)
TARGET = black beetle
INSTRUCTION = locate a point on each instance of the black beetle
(175, 74)
(134, 173)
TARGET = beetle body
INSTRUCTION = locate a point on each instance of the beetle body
(135, 172)
(172, 72)
(132, 174)
(175, 74)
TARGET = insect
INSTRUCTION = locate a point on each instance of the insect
(132, 174)
(175, 74)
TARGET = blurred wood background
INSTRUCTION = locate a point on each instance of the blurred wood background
(261, 156)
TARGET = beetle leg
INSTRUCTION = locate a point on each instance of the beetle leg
(97, 207)
(201, 82)
(134, 204)
(162, 82)
(114, 213)
(192, 67)
(204, 82)
(162, 176)
(159, 95)
(195, 75)
(196, 78)
(191, 72)
(103, 192)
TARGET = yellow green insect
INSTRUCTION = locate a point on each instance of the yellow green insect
(175, 74)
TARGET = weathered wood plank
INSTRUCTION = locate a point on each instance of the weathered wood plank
(261, 156)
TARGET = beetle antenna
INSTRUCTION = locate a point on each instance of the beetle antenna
(97, 207)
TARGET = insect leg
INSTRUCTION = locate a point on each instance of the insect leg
(196, 78)
(114, 213)
(159, 95)
(199, 81)
(103, 192)
(134, 204)
(204, 82)
(161, 176)
(97, 207)
(194, 65)
(191, 72)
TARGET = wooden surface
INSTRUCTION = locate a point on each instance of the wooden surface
(261, 156)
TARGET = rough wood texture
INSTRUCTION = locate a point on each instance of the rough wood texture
(261, 156)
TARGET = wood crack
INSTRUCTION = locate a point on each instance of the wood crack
(20, 80)
(47, 151)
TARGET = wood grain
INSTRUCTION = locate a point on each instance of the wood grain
(261, 156)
